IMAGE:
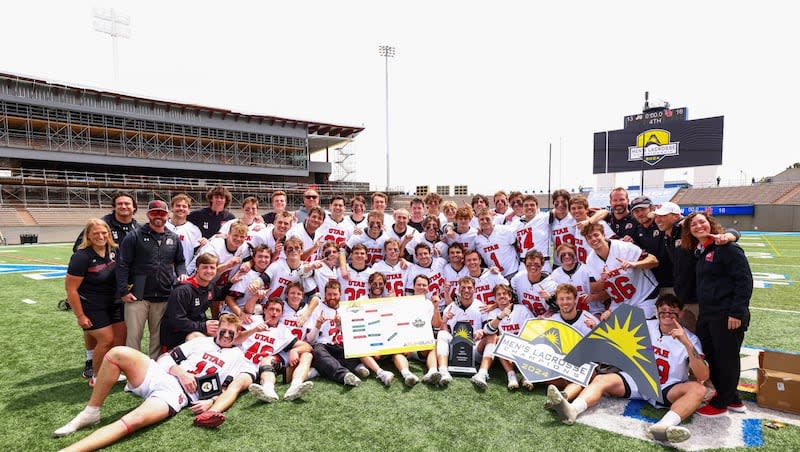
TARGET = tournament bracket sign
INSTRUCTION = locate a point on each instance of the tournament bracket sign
(539, 352)
(386, 326)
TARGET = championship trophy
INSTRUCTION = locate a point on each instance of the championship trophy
(462, 358)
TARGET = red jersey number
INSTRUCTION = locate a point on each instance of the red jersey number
(620, 289)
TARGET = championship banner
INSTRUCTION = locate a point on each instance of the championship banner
(539, 352)
(623, 341)
(386, 326)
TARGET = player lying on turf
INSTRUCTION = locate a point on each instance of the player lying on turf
(193, 371)
(269, 348)
(677, 351)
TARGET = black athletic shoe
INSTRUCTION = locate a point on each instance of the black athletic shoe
(87, 369)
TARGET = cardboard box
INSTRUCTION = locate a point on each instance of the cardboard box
(779, 381)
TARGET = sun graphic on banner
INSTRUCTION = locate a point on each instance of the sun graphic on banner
(463, 332)
(625, 339)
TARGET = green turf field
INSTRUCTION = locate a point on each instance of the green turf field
(41, 388)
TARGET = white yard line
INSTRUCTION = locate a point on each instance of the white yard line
(775, 310)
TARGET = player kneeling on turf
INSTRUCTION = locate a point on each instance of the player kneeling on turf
(505, 318)
(196, 370)
(276, 350)
(464, 309)
(583, 321)
(677, 352)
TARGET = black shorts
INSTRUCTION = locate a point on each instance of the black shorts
(103, 317)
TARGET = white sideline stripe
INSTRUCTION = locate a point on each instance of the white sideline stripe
(28, 301)
(775, 310)
(775, 265)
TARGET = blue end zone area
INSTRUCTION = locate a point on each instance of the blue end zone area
(38, 271)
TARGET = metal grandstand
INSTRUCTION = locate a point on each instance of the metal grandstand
(22, 187)
(72, 146)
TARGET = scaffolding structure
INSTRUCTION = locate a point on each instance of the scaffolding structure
(36, 127)
(24, 187)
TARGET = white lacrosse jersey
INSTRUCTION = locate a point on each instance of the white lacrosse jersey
(635, 287)
(499, 249)
(395, 277)
(528, 293)
(534, 235)
(672, 358)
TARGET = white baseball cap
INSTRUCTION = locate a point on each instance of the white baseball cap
(668, 208)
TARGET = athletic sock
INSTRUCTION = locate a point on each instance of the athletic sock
(406, 373)
(580, 405)
(432, 370)
(91, 409)
(670, 419)
(89, 355)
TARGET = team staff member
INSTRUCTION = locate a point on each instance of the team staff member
(209, 219)
(187, 306)
(121, 222)
(668, 219)
(151, 258)
(621, 221)
(91, 290)
(310, 200)
(724, 287)
(647, 236)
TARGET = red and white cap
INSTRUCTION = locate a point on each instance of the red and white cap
(668, 208)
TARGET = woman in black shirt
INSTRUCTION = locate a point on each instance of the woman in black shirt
(91, 290)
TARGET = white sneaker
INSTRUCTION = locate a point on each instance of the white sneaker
(351, 380)
(672, 434)
(432, 378)
(564, 409)
(479, 380)
(446, 379)
(513, 384)
(411, 380)
(263, 393)
(362, 371)
(298, 391)
(83, 419)
(386, 377)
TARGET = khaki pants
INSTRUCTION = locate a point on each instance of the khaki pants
(136, 314)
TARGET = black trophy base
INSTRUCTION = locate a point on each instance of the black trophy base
(462, 371)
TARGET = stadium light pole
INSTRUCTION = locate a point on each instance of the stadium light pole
(115, 25)
(387, 52)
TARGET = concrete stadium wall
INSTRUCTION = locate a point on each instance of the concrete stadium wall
(768, 218)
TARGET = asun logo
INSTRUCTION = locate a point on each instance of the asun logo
(654, 144)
